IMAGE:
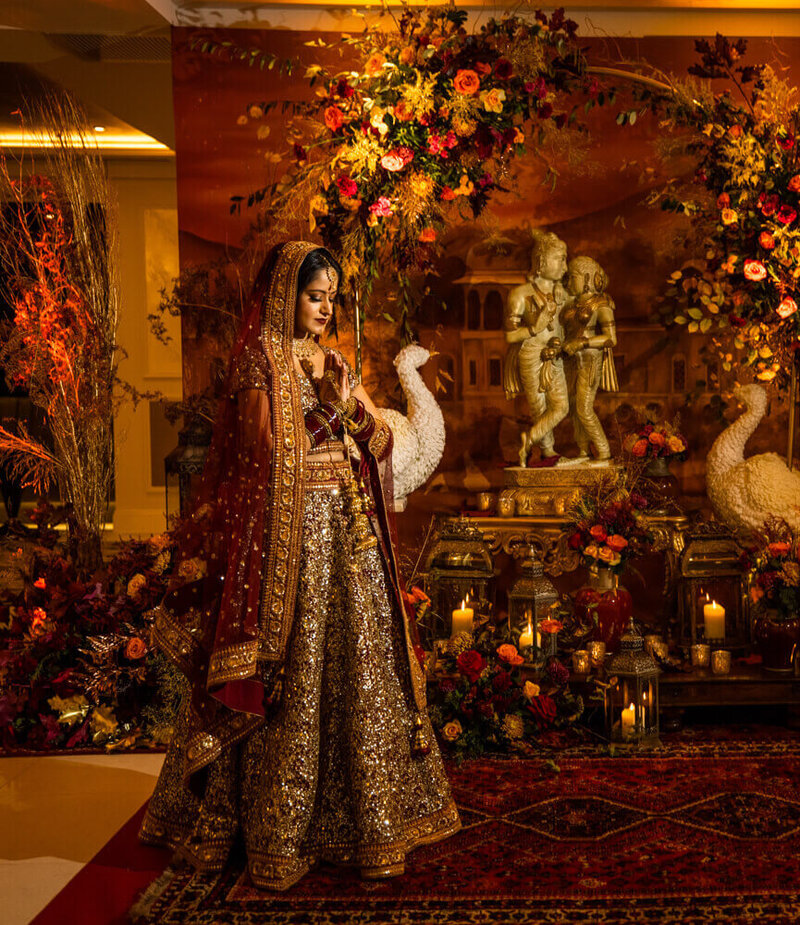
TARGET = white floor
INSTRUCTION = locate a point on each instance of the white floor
(55, 814)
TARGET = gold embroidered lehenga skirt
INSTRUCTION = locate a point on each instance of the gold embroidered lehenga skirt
(330, 775)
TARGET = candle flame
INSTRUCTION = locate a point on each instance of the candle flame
(463, 603)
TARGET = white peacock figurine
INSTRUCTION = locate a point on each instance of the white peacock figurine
(746, 492)
(418, 437)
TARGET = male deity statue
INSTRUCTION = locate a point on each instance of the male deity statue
(590, 334)
(533, 362)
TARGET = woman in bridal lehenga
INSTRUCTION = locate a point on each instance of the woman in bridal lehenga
(305, 734)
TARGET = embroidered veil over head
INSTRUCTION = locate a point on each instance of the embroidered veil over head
(226, 617)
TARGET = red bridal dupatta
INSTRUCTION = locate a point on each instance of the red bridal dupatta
(227, 614)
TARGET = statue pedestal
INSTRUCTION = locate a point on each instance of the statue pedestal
(548, 491)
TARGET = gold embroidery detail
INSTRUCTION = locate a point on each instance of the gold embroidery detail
(232, 663)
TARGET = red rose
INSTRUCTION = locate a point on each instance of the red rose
(347, 186)
(754, 270)
(723, 201)
(786, 215)
(543, 708)
(769, 204)
(447, 194)
(483, 69)
(779, 549)
(503, 69)
(501, 681)
(471, 664)
(766, 240)
(334, 118)
(575, 541)
(639, 448)
(616, 542)
(786, 143)
(598, 533)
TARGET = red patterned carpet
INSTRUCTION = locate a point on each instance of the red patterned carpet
(660, 839)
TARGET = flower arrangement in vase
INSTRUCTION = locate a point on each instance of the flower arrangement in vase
(656, 444)
(606, 529)
(483, 701)
(773, 561)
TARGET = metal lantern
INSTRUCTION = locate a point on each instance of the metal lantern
(186, 461)
(460, 578)
(713, 606)
(631, 697)
(530, 601)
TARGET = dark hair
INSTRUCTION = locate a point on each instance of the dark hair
(319, 259)
(316, 260)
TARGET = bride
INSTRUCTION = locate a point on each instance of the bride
(305, 734)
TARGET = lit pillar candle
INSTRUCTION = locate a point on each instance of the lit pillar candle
(462, 619)
(526, 637)
(628, 721)
(714, 617)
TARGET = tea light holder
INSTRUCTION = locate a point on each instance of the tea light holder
(597, 652)
(580, 661)
(721, 662)
(701, 655)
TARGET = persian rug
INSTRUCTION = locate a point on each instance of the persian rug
(658, 839)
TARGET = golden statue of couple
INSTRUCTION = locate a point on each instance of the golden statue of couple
(561, 334)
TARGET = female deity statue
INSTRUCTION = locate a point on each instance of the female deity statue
(533, 364)
(591, 335)
(304, 732)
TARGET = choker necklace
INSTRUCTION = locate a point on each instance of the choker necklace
(304, 347)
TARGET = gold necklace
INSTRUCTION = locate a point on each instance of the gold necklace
(304, 347)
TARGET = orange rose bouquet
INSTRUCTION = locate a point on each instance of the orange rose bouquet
(656, 441)
(607, 529)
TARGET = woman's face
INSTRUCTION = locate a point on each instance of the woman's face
(315, 304)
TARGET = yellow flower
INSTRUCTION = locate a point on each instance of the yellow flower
(421, 184)
(451, 731)
(466, 187)
(493, 99)
(464, 127)
(135, 585)
(531, 690)
(591, 551)
(608, 556)
(729, 217)
(676, 444)
(513, 726)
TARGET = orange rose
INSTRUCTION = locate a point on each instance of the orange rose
(754, 270)
(766, 240)
(466, 82)
(374, 64)
(509, 654)
(735, 131)
(779, 549)
(723, 201)
(483, 69)
(657, 438)
(639, 448)
(39, 583)
(617, 542)
(427, 235)
(403, 111)
(794, 183)
(135, 648)
(608, 556)
(598, 532)
(756, 593)
(334, 118)
(787, 307)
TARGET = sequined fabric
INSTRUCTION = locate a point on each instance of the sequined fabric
(329, 775)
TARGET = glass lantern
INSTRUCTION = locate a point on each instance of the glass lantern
(460, 579)
(530, 601)
(631, 698)
(713, 605)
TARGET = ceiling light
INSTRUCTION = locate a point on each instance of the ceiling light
(99, 128)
